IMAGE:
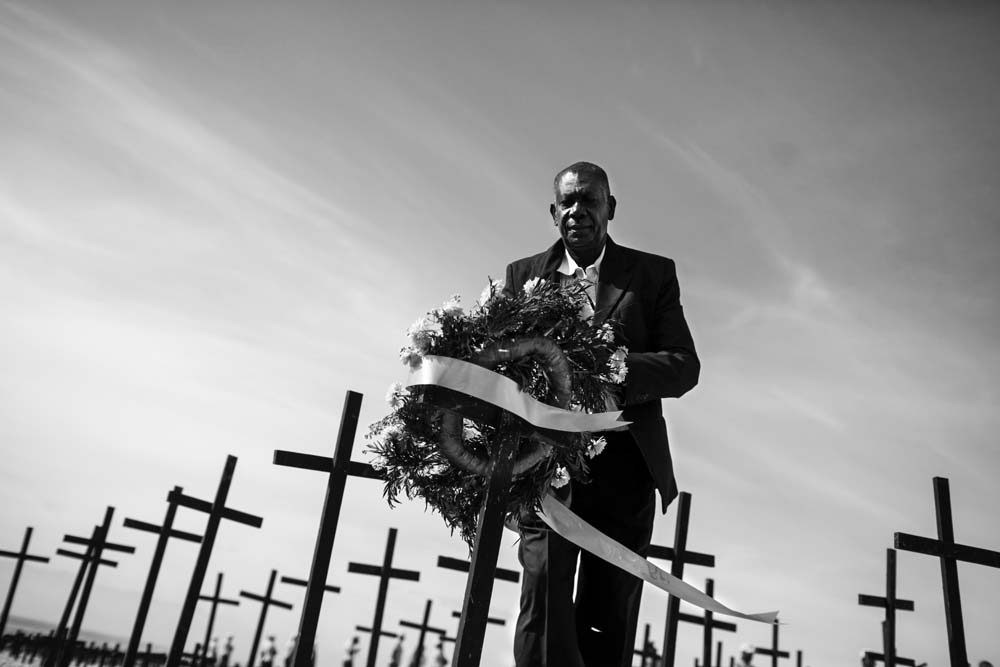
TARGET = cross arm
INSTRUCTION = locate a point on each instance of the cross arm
(73, 554)
(382, 633)
(361, 568)
(21, 556)
(700, 620)
(878, 657)
(152, 528)
(208, 508)
(463, 566)
(962, 552)
(876, 601)
(771, 652)
(690, 557)
(489, 619)
(212, 598)
(302, 582)
(86, 541)
(418, 626)
(265, 600)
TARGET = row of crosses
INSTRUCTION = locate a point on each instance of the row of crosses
(482, 570)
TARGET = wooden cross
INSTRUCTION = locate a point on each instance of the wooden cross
(648, 652)
(217, 511)
(945, 548)
(499, 573)
(164, 532)
(708, 622)
(215, 601)
(22, 557)
(490, 620)
(96, 546)
(60, 632)
(266, 601)
(384, 573)
(879, 657)
(891, 604)
(773, 651)
(338, 468)
(679, 556)
(423, 628)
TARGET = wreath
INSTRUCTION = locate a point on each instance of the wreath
(436, 444)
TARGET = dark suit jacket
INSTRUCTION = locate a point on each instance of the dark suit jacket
(640, 290)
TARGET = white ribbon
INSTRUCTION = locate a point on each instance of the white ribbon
(563, 521)
(504, 393)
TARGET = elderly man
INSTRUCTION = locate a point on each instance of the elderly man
(639, 290)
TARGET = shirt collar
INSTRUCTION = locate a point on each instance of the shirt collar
(569, 266)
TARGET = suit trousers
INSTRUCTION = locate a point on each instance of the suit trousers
(598, 628)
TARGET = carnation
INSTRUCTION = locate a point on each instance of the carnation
(596, 446)
(394, 397)
(452, 307)
(422, 333)
(532, 284)
(561, 477)
(494, 287)
(617, 365)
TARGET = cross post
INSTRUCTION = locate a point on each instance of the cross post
(384, 573)
(215, 601)
(217, 511)
(164, 532)
(338, 469)
(22, 557)
(96, 546)
(647, 653)
(679, 556)
(266, 601)
(950, 553)
(891, 604)
(422, 628)
(709, 623)
(773, 651)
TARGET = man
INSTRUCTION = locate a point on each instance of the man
(640, 291)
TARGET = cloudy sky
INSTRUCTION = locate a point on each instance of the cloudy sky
(216, 218)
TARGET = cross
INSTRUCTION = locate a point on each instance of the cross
(879, 657)
(773, 651)
(338, 468)
(423, 628)
(465, 566)
(384, 573)
(217, 511)
(22, 557)
(216, 600)
(59, 635)
(891, 604)
(678, 556)
(266, 601)
(945, 548)
(95, 546)
(648, 652)
(709, 624)
(163, 532)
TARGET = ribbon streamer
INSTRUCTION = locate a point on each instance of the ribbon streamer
(567, 524)
(504, 393)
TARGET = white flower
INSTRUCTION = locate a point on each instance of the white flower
(493, 287)
(394, 397)
(617, 365)
(607, 333)
(596, 446)
(392, 433)
(452, 307)
(378, 465)
(532, 284)
(422, 333)
(561, 478)
(410, 357)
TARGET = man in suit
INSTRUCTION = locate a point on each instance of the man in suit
(639, 290)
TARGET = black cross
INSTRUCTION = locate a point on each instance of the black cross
(338, 468)
(266, 601)
(384, 573)
(423, 628)
(879, 657)
(217, 511)
(164, 532)
(648, 652)
(489, 619)
(216, 600)
(22, 557)
(709, 623)
(465, 566)
(891, 604)
(950, 553)
(773, 651)
(59, 634)
(679, 556)
(95, 546)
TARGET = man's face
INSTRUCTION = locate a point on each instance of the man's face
(581, 212)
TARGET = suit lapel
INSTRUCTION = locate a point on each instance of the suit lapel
(548, 265)
(614, 279)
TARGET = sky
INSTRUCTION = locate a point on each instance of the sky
(216, 218)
